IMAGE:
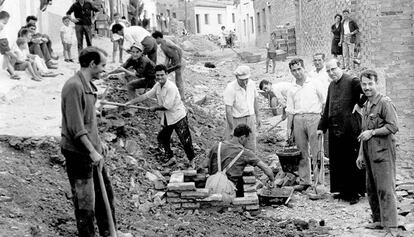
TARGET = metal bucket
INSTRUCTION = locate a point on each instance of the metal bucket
(289, 158)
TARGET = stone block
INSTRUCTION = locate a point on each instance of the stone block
(178, 200)
(249, 179)
(173, 194)
(189, 173)
(190, 205)
(252, 207)
(248, 188)
(248, 170)
(211, 198)
(189, 186)
(177, 177)
(246, 200)
(176, 205)
(159, 185)
(199, 193)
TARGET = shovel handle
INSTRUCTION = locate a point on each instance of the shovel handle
(106, 202)
(123, 105)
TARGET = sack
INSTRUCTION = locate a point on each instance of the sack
(218, 183)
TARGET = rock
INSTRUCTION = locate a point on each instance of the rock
(209, 65)
(145, 207)
(187, 46)
(159, 195)
(56, 159)
(152, 177)
(177, 177)
(402, 193)
(5, 199)
(200, 99)
(109, 137)
(409, 187)
(131, 161)
(289, 179)
(301, 224)
(188, 186)
(131, 147)
(16, 143)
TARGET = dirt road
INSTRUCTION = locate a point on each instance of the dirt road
(35, 195)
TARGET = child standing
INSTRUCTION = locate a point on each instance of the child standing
(24, 60)
(66, 35)
(117, 40)
(271, 52)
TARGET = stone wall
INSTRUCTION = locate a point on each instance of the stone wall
(277, 13)
(387, 39)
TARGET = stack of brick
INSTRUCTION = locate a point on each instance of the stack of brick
(186, 190)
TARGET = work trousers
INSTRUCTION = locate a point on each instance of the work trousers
(304, 131)
(176, 60)
(183, 133)
(87, 194)
(380, 180)
(348, 52)
(250, 121)
(81, 30)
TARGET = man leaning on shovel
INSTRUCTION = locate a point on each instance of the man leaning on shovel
(91, 188)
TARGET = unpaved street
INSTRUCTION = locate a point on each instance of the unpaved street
(34, 179)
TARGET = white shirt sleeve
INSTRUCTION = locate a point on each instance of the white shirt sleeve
(228, 95)
(290, 102)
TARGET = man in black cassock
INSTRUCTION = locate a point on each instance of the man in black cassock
(343, 122)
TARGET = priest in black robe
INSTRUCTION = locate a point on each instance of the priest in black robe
(343, 122)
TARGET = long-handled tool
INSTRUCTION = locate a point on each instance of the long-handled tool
(123, 105)
(111, 223)
(319, 172)
(275, 125)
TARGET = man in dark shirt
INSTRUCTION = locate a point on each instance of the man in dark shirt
(377, 152)
(343, 123)
(82, 147)
(229, 150)
(139, 70)
(83, 24)
(349, 31)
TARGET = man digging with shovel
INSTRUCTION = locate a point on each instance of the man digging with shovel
(174, 114)
(91, 188)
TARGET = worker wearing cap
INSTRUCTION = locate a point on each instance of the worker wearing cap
(139, 70)
(137, 35)
(240, 98)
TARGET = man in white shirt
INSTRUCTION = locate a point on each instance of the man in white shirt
(116, 39)
(304, 108)
(277, 94)
(319, 73)
(137, 35)
(240, 98)
(174, 114)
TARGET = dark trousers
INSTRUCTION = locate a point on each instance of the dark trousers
(380, 180)
(41, 50)
(183, 133)
(87, 194)
(83, 30)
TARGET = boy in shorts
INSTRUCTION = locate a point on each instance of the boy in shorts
(271, 52)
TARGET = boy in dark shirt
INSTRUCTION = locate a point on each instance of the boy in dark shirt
(139, 70)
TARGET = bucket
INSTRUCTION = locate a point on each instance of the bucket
(289, 158)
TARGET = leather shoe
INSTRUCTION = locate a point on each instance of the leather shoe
(374, 226)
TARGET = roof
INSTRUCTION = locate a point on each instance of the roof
(212, 3)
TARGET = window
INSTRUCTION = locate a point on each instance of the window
(258, 21)
(252, 23)
(233, 18)
(174, 15)
(219, 19)
(264, 19)
(269, 10)
(206, 19)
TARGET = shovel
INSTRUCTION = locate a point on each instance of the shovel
(123, 105)
(106, 202)
(321, 172)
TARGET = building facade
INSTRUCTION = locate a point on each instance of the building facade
(245, 23)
